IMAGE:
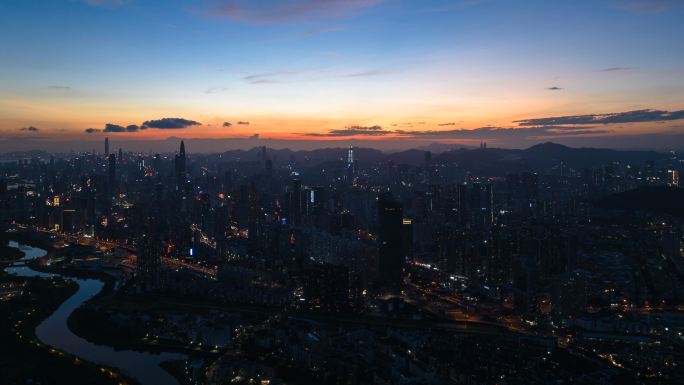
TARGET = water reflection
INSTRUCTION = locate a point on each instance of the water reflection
(143, 367)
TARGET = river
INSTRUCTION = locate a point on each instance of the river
(141, 366)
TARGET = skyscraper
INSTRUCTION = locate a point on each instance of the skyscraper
(390, 255)
(106, 147)
(180, 165)
(148, 264)
(350, 164)
(112, 170)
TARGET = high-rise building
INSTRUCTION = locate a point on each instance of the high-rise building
(106, 149)
(148, 264)
(390, 255)
(112, 170)
(180, 165)
(674, 178)
(295, 213)
(350, 163)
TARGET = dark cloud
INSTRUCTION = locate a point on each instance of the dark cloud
(134, 128)
(170, 123)
(255, 136)
(615, 69)
(447, 124)
(275, 11)
(30, 129)
(227, 124)
(619, 117)
(92, 130)
(489, 132)
(243, 123)
(114, 128)
(554, 88)
(354, 130)
(364, 128)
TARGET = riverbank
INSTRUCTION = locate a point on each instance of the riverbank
(105, 287)
(23, 358)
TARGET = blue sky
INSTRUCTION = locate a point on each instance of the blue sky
(297, 67)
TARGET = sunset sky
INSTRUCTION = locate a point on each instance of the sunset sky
(296, 71)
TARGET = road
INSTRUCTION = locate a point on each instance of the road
(88, 241)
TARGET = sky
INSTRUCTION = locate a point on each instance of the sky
(319, 73)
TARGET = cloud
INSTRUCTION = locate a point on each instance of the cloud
(278, 11)
(447, 124)
(304, 75)
(135, 128)
(59, 88)
(648, 6)
(364, 128)
(615, 69)
(227, 124)
(269, 77)
(92, 130)
(105, 3)
(170, 123)
(243, 123)
(554, 88)
(255, 136)
(354, 130)
(114, 128)
(482, 133)
(363, 74)
(619, 117)
(30, 129)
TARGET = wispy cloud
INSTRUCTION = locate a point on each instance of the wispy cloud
(554, 88)
(274, 11)
(648, 6)
(59, 88)
(92, 130)
(615, 69)
(105, 3)
(482, 133)
(618, 117)
(216, 90)
(304, 75)
(30, 129)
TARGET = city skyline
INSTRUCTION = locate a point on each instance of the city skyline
(312, 74)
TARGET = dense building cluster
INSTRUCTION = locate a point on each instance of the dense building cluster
(465, 266)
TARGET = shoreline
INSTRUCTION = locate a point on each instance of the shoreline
(80, 329)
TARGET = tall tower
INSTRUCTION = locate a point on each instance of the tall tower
(180, 165)
(350, 163)
(106, 147)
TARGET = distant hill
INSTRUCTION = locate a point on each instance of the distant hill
(495, 161)
(661, 199)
